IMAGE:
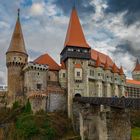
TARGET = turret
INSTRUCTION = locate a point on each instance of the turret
(16, 58)
(136, 71)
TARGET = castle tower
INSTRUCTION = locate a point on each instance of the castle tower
(16, 58)
(136, 71)
(75, 55)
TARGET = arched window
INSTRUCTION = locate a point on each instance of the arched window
(77, 95)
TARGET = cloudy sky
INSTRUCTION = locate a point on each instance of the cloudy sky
(110, 26)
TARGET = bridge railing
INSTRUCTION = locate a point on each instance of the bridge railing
(112, 101)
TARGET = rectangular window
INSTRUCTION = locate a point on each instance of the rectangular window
(91, 72)
(64, 75)
(78, 74)
(39, 86)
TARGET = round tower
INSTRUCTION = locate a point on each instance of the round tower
(16, 58)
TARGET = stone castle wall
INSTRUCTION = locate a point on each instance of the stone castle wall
(56, 102)
(93, 123)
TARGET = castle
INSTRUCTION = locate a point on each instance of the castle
(49, 86)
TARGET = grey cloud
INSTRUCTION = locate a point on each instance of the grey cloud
(131, 7)
(127, 47)
(84, 7)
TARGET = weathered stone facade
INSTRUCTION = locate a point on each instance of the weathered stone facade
(101, 123)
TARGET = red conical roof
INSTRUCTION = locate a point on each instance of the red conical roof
(47, 60)
(17, 42)
(114, 68)
(121, 72)
(75, 35)
(137, 67)
(98, 62)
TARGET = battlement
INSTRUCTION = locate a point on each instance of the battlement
(34, 66)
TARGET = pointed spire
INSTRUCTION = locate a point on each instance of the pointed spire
(106, 66)
(114, 68)
(18, 13)
(137, 67)
(137, 62)
(17, 42)
(74, 4)
(121, 72)
(75, 35)
(98, 62)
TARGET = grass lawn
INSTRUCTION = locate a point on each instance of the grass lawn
(136, 133)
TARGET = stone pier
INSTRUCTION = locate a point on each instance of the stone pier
(101, 123)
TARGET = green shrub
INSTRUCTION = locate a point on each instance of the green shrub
(27, 108)
(26, 126)
(15, 105)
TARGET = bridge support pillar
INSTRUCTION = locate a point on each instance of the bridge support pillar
(94, 123)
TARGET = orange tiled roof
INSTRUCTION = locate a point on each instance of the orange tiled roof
(75, 35)
(103, 57)
(129, 81)
(37, 95)
(17, 42)
(46, 59)
(78, 66)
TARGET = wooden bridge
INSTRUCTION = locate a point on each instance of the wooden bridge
(115, 102)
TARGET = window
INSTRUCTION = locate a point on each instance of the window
(78, 74)
(99, 74)
(39, 86)
(38, 74)
(64, 75)
(91, 72)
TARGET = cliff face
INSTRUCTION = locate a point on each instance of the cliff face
(19, 123)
